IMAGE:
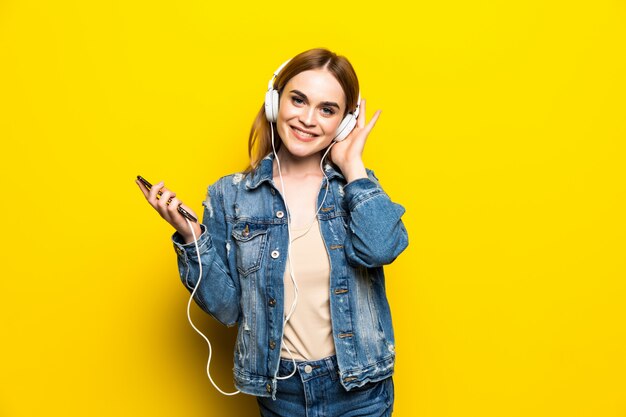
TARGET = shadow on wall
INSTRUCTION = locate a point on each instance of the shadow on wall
(200, 393)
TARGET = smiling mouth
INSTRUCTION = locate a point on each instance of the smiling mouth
(303, 135)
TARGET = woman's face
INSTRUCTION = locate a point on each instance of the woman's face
(311, 107)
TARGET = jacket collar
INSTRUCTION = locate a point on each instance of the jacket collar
(264, 172)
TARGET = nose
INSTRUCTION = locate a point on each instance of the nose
(307, 116)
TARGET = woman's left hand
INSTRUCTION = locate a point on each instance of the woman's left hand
(347, 154)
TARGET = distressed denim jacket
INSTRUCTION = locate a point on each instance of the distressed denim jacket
(243, 250)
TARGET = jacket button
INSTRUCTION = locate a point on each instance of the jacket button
(275, 254)
(280, 214)
(272, 344)
(268, 388)
(272, 302)
(272, 191)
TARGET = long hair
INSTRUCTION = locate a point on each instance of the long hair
(260, 140)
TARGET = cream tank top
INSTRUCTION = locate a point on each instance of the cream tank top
(308, 333)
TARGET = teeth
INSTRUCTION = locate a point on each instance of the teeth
(304, 134)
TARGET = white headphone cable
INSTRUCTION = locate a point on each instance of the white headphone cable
(195, 241)
(295, 285)
(290, 241)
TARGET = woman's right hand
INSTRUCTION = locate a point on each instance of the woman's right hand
(170, 211)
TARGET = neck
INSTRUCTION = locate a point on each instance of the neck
(292, 165)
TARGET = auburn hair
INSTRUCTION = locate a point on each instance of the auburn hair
(260, 140)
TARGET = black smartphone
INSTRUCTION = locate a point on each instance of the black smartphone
(181, 210)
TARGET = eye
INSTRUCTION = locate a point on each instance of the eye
(297, 100)
(328, 111)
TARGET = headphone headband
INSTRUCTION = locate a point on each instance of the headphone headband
(270, 84)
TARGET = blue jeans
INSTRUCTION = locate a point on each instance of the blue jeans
(315, 391)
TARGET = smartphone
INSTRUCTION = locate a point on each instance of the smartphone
(181, 210)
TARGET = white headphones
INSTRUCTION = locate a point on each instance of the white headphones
(271, 108)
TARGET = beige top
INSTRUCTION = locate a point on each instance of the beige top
(308, 333)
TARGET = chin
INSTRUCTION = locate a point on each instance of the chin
(300, 151)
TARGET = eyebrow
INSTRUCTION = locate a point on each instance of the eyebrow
(324, 103)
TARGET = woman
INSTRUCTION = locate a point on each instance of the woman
(292, 250)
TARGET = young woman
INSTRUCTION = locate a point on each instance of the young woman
(292, 250)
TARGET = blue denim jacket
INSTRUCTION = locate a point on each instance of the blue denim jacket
(243, 250)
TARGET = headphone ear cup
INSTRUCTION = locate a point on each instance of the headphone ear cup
(345, 127)
(271, 105)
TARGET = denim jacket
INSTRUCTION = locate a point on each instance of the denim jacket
(243, 250)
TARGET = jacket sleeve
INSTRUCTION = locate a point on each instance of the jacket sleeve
(218, 293)
(376, 234)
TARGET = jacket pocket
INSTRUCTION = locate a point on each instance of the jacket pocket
(250, 242)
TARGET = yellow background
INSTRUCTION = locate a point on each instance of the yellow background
(502, 134)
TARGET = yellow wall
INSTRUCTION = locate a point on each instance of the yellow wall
(502, 133)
